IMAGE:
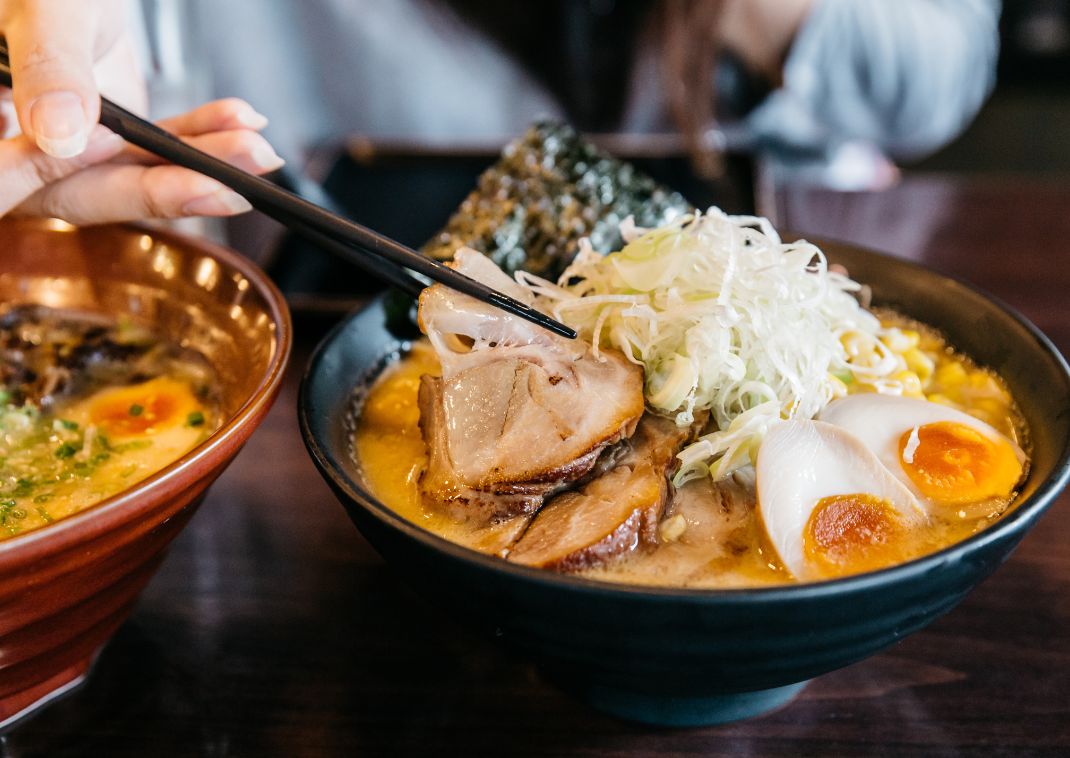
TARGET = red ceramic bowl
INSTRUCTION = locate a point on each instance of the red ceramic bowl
(66, 588)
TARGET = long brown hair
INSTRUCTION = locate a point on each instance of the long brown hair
(688, 34)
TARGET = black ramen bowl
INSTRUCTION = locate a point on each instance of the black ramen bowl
(689, 657)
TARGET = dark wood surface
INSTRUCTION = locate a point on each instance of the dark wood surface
(273, 628)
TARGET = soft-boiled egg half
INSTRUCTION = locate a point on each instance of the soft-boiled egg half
(829, 506)
(138, 409)
(948, 459)
(162, 417)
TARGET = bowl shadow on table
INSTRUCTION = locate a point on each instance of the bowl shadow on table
(444, 703)
(405, 679)
(415, 680)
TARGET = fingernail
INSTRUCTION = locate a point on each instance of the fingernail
(250, 119)
(265, 158)
(103, 144)
(222, 202)
(59, 124)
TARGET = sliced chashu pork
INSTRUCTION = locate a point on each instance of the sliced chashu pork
(518, 412)
(612, 514)
(504, 435)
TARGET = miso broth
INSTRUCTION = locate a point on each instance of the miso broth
(90, 406)
(711, 535)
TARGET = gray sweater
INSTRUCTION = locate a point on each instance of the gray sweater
(904, 76)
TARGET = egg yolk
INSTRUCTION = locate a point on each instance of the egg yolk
(850, 534)
(142, 408)
(955, 464)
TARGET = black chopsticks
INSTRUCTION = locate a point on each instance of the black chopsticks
(387, 258)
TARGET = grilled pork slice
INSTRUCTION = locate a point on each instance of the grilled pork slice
(611, 515)
(518, 413)
(504, 435)
(466, 333)
(489, 538)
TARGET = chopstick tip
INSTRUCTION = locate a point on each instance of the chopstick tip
(528, 313)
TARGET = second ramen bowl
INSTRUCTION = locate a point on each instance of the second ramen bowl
(66, 588)
(689, 657)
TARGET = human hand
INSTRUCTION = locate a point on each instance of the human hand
(64, 164)
(61, 51)
(111, 181)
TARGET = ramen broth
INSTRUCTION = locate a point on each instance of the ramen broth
(711, 535)
(89, 407)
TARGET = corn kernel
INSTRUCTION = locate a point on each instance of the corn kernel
(919, 363)
(910, 382)
(852, 344)
(950, 374)
(672, 528)
(896, 340)
(913, 338)
(983, 384)
(931, 344)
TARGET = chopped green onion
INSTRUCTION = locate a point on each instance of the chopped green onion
(846, 376)
(66, 450)
(196, 418)
(136, 410)
(726, 318)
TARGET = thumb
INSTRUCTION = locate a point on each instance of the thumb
(52, 67)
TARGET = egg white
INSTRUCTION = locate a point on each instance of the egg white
(799, 463)
(879, 421)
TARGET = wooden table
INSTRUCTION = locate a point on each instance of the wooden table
(274, 629)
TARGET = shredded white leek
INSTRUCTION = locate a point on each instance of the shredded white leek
(724, 317)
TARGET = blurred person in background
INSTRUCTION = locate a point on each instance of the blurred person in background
(810, 82)
(830, 87)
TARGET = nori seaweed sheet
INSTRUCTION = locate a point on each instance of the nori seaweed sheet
(550, 189)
